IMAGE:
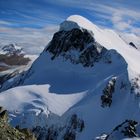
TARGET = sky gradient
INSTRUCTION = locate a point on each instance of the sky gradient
(31, 23)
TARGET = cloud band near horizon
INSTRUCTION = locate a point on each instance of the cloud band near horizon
(32, 22)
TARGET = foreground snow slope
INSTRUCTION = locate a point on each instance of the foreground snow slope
(53, 90)
(37, 100)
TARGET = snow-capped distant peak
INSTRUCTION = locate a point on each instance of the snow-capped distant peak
(12, 49)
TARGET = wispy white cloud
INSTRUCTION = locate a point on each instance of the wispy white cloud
(2, 22)
(121, 14)
(123, 19)
(32, 40)
(40, 17)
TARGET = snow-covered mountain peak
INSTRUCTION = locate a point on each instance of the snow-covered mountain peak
(83, 75)
(110, 40)
(77, 21)
(77, 18)
(12, 49)
(82, 22)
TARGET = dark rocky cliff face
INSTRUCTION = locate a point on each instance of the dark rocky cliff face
(76, 45)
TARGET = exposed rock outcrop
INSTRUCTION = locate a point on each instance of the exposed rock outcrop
(127, 129)
(76, 45)
(133, 45)
(106, 98)
(7, 132)
(67, 132)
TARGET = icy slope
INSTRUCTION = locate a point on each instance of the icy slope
(36, 100)
(75, 75)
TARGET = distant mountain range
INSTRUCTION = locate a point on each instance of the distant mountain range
(13, 61)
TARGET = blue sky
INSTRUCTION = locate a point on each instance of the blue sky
(32, 22)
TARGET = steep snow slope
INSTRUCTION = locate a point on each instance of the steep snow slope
(55, 88)
(130, 37)
(110, 40)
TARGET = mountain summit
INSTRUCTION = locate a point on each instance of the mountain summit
(80, 87)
